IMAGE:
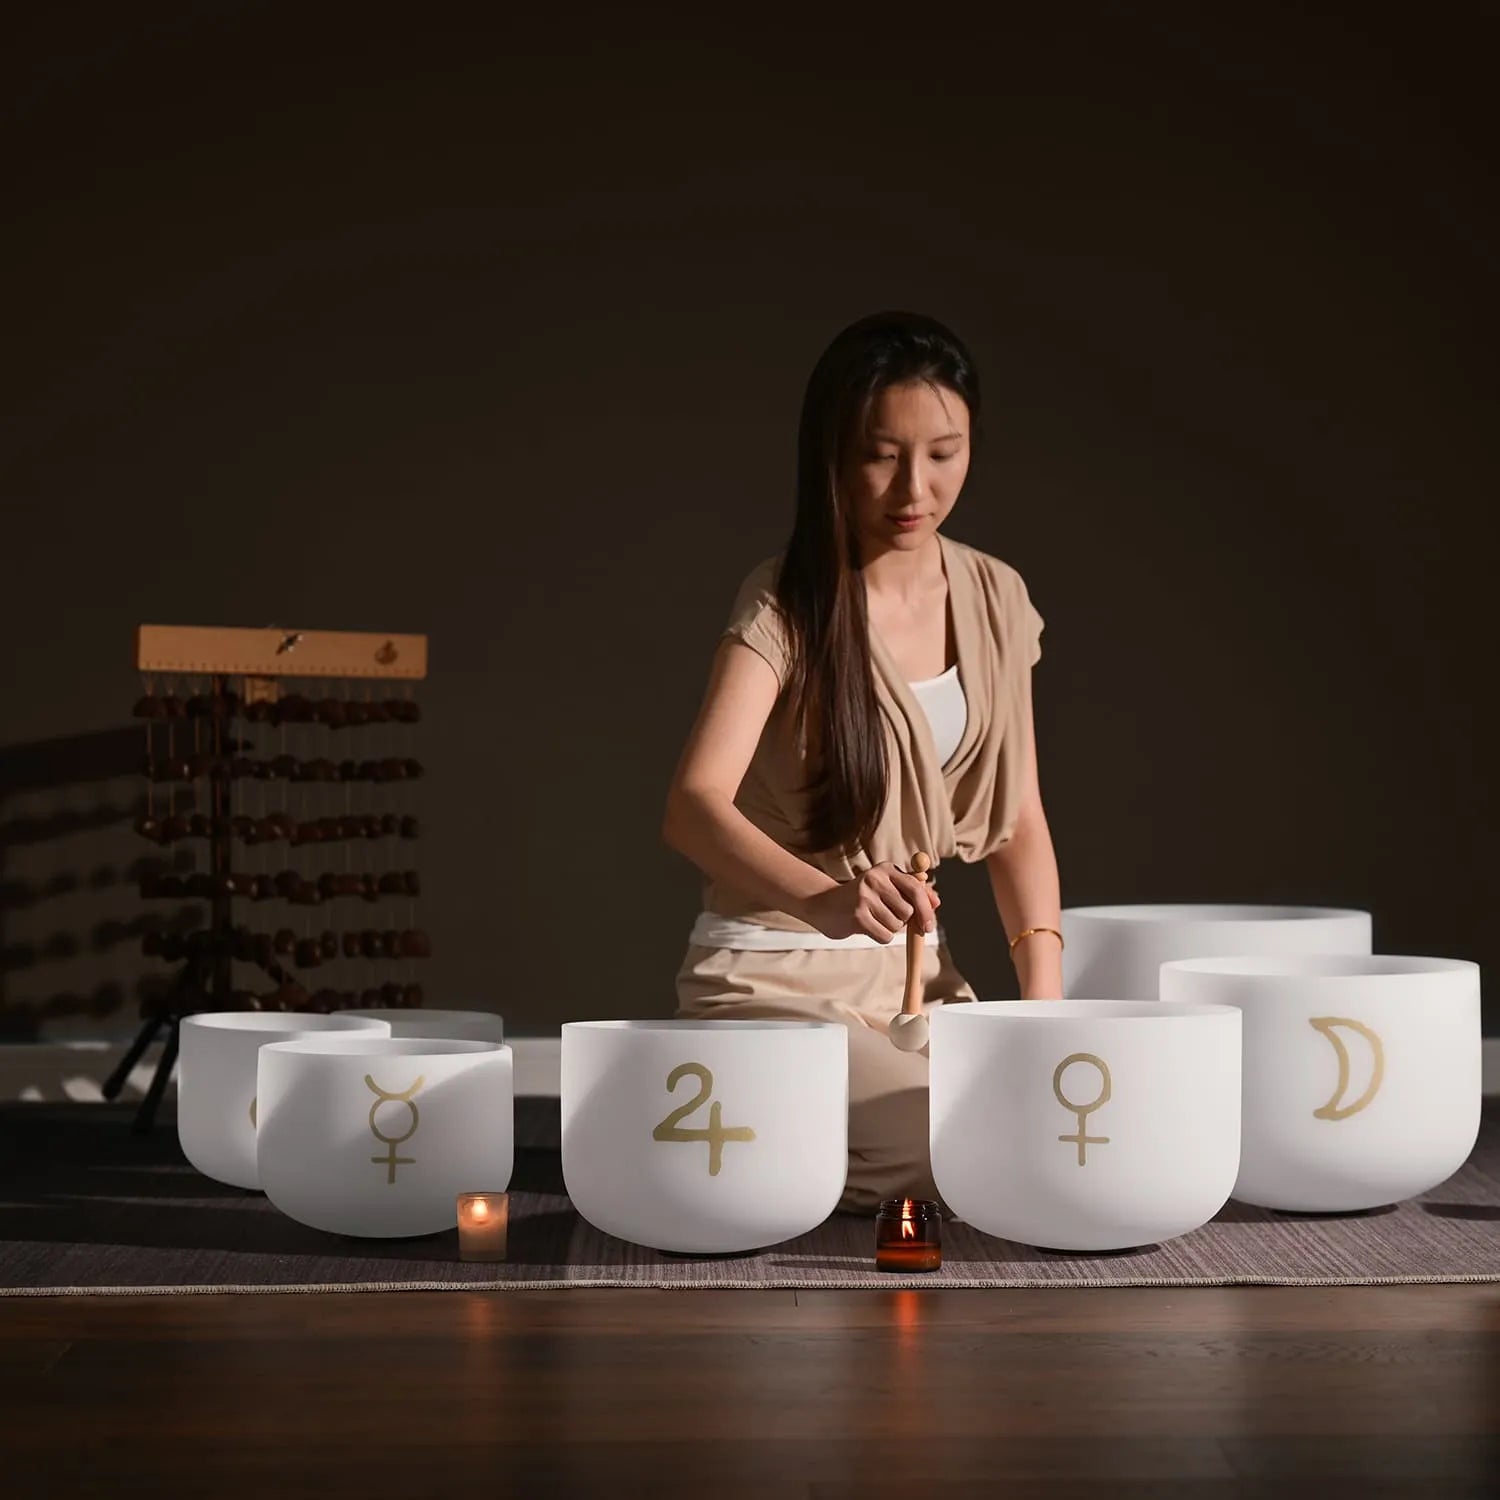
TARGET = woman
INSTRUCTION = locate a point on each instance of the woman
(871, 697)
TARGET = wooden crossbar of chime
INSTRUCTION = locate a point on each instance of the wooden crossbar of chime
(280, 774)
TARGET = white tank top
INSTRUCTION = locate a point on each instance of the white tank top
(947, 709)
(943, 700)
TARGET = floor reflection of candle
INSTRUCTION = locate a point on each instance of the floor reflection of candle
(908, 1235)
(483, 1219)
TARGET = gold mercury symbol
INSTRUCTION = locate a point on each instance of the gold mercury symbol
(385, 1096)
(1083, 1140)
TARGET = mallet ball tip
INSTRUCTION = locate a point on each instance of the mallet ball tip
(908, 1033)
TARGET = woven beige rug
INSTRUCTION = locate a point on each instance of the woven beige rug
(88, 1208)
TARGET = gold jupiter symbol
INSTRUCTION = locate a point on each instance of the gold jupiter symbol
(1331, 1026)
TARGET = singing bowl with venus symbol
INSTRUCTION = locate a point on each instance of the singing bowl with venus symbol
(1361, 1073)
(216, 1102)
(377, 1136)
(1085, 1124)
(705, 1136)
(1119, 950)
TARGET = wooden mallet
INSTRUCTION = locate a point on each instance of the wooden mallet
(908, 1031)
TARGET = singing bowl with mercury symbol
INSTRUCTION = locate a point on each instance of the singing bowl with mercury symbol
(1119, 950)
(1361, 1074)
(705, 1137)
(1085, 1124)
(377, 1136)
(216, 1067)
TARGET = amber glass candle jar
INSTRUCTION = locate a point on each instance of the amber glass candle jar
(908, 1235)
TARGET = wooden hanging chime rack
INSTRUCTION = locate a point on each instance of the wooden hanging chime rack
(279, 771)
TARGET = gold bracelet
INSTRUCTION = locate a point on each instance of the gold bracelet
(1032, 932)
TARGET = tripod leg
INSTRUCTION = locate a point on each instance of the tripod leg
(179, 997)
(116, 1080)
(145, 1116)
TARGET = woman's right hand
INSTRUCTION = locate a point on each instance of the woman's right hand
(878, 903)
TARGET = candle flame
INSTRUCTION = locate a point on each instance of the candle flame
(908, 1229)
(480, 1209)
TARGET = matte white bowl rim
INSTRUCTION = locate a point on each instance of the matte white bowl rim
(705, 1025)
(417, 1013)
(276, 1020)
(1208, 912)
(382, 1046)
(1081, 1010)
(1324, 966)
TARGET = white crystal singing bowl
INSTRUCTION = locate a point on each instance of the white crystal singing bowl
(1119, 950)
(1085, 1124)
(1361, 1075)
(454, 1025)
(377, 1136)
(705, 1136)
(216, 1108)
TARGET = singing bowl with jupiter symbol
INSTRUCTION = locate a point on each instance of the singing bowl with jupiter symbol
(216, 1103)
(1361, 1076)
(705, 1137)
(1119, 950)
(1085, 1124)
(377, 1136)
(455, 1025)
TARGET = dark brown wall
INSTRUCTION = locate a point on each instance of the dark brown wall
(500, 335)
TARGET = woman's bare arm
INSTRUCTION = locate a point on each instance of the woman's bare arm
(702, 822)
(1023, 876)
(701, 819)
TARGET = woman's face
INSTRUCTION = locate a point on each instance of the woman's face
(906, 470)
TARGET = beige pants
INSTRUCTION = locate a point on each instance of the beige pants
(861, 988)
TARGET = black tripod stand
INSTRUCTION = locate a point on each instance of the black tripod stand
(204, 981)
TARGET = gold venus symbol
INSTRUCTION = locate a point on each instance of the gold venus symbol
(385, 1096)
(1336, 1109)
(1083, 1110)
(716, 1133)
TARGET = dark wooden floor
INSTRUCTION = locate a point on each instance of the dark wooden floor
(869, 1396)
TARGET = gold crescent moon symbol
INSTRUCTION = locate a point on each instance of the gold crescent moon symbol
(1336, 1109)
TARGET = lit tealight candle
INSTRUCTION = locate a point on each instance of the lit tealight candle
(483, 1219)
(908, 1235)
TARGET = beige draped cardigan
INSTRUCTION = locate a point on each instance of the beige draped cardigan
(965, 809)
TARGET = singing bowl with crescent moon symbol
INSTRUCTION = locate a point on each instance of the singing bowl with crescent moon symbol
(705, 1137)
(1361, 1073)
(1085, 1124)
(216, 1069)
(1119, 950)
(377, 1136)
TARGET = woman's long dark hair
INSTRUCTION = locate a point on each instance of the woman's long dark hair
(819, 587)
